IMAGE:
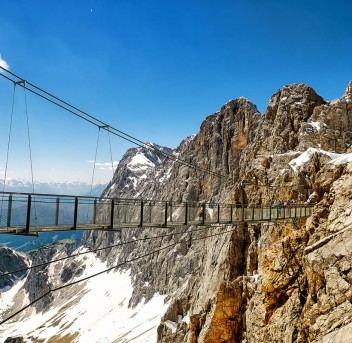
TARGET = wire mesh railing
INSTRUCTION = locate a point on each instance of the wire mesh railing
(39, 212)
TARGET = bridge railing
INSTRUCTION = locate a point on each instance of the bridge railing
(36, 212)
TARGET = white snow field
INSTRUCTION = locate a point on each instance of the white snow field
(94, 311)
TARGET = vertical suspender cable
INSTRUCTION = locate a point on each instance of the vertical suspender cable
(29, 146)
(8, 148)
(29, 136)
(9, 138)
(112, 163)
(95, 161)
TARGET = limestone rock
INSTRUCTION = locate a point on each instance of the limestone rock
(258, 284)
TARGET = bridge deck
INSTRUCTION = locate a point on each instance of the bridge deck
(23, 213)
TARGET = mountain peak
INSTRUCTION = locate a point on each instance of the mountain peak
(348, 92)
(134, 167)
(238, 103)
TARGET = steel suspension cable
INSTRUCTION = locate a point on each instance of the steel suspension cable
(29, 137)
(29, 147)
(93, 173)
(95, 162)
(97, 122)
(108, 247)
(112, 163)
(8, 148)
(107, 270)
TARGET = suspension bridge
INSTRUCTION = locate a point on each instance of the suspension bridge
(29, 213)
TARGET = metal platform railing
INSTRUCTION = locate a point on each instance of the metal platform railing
(27, 213)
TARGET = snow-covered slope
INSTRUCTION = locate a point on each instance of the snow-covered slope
(305, 157)
(136, 165)
(95, 310)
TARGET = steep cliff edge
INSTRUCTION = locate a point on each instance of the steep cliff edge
(256, 283)
(266, 282)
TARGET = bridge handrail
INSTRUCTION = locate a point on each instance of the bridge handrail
(137, 200)
(22, 210)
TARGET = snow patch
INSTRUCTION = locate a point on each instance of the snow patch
(171, 325)
(289, 153)
(343, 158)
(256, 277)
(243, 98)
(140, 161)
(305, 156)
(7, 296)
(98, 313)
(134, 182)
(166, 176)
(186, 319)
(315, 124)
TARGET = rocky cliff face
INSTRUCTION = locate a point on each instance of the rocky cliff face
(217, 147)
(262, 282)
(134, 168)
(11, 260)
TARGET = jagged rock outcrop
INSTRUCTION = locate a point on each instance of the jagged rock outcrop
(287, 110)
(296, 121)
(10, 261)
(263, 280)
(133, 169)
(217, 147)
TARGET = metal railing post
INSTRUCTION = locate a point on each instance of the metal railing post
(95, 211)
(253, 213)
(57, 211)
(28, 220)
(186, 213)
(165, 215)
(75, 214)
(170, 210)
(203, 214)
(150, 211)
(9, 211)
(141, 215)
(112, 214)
(218, 213)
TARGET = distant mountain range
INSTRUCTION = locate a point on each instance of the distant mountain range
(67, 188)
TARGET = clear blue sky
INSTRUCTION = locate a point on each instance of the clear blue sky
(156, 68)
